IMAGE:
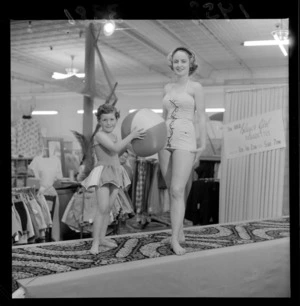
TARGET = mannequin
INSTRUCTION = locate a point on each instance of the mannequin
(48, 170)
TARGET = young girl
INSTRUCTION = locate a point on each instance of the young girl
(108, 175)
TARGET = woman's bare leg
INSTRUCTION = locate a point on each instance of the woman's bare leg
(182, 164)
(165, 164)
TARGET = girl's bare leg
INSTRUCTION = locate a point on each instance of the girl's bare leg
(105, 241)
(102, 194)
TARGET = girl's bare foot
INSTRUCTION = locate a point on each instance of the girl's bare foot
(177, 249)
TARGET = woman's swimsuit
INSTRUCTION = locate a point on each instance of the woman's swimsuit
(180, 108)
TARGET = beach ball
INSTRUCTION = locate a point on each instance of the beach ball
(155, 127)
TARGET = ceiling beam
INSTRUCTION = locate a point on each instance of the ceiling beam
(158, 37)
(204, 27)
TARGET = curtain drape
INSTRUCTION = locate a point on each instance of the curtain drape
(255, 186)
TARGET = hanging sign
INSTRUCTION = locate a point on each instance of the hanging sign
(254, 134)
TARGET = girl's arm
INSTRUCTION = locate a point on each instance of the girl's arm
(117, 147)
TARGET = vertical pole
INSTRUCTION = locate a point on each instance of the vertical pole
(88, 100)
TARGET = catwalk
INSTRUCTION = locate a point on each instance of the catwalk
(69, 265)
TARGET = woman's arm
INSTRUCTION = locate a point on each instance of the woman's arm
(200, 107)
(164, 113)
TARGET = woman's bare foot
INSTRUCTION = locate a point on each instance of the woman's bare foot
(108, 242)
(94, 249)
(181, 238)
(177, 249)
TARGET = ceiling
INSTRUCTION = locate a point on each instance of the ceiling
(136, 52)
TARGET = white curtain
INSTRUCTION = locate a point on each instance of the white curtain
(255, 186)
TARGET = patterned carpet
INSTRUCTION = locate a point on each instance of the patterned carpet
(51, 258)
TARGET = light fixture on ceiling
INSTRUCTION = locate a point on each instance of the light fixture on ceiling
(109, 27)
(281, 38)
(70, 72)
(281, 35)
(45, 112)
(29, 29)
(81, 111)
(215, 110)
(155, 110)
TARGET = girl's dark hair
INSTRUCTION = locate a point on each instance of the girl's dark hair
(107, 109)
(191, 55)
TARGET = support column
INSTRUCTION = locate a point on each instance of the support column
(88, 100)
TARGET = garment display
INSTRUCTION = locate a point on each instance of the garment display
(180, 107)
(30, 216)
(28, 137)
(46, 169)
(150, 196)
(13, 139)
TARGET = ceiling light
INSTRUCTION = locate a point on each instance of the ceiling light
(281, 38)
(155, 110)
(29, 29)
(271, 42)
(70, 72)
(109, 27)
(81, 111)
(214, 110)
(280, 35)
(44, 112)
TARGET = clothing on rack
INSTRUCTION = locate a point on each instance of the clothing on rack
(13, 139)
(150, 196)
(30, 216)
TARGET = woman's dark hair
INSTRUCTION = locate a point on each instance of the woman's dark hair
(107, 109)
(191, 55)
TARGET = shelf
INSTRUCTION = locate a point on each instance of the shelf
(19, 179)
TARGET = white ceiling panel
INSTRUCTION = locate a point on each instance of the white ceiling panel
(136, 52)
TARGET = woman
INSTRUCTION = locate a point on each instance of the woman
(180, 102)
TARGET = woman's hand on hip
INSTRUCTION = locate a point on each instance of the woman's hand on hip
(198, 152)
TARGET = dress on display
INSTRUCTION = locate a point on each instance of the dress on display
(28, 137)
(180, 107)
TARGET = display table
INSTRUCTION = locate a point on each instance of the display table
(65, 192)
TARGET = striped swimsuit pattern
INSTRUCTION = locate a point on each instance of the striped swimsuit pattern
(173, 116)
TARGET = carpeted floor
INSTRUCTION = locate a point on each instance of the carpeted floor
(58, 257)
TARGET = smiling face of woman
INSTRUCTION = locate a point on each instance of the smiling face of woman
(181, 63)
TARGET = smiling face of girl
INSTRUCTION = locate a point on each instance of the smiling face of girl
(108, 122)
(181, 63)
